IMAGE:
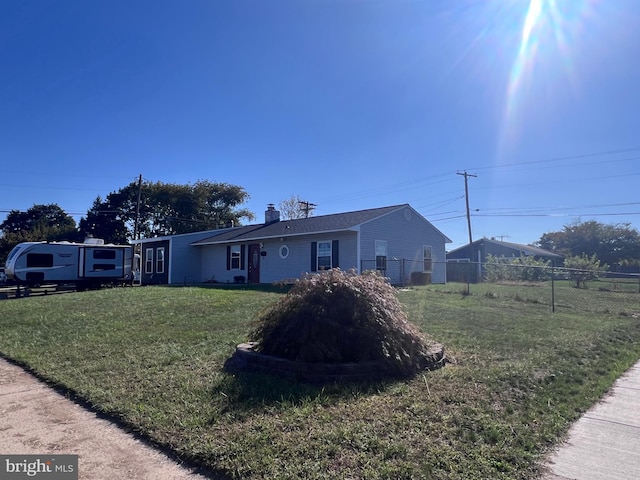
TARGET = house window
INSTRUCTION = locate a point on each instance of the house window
(284, 251)
(428, 259)
(381, 255)
(324, 255)
(148, 261)
(160, 260)
(235, 257)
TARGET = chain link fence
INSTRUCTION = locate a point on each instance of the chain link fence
(402, 271)
(557, 287)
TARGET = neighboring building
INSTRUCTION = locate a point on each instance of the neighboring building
(396, 240)
(478, 253)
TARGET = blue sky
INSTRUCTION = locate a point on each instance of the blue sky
(350, 104)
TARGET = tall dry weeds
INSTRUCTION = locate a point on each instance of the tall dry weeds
(338, 317)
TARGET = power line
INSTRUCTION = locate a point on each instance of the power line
(571, 208)
(559, 159)
(618, 214)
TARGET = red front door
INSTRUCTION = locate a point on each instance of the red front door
(254, 263)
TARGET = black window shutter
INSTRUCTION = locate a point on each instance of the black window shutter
(242, 257)
(314, 256)
(228, 257)
(334, 254)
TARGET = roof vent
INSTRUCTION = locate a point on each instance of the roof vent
(93, 241)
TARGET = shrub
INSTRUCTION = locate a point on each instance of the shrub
(582, 268)
(519, 269)
(341, 317)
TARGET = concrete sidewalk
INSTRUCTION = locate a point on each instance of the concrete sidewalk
(37, 420)
(605, 442)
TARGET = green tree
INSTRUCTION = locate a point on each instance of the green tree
(613, 244)
(165, 209)
(518, 269)
(583, 268)
(103, 220)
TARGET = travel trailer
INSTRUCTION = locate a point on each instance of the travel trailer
(88, 265)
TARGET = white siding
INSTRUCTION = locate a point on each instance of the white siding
(406, 234)
(273, 268)
(186, 263)
(214, 264)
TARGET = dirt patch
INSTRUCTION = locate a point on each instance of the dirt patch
(36, 420)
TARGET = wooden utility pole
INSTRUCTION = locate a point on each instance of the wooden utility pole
(135, 223)
(472, 258)
(466, 196)
(307, 207)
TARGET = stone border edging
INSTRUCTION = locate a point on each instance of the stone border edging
(246, 358)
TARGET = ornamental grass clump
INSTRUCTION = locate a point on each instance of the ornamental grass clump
(342, 317)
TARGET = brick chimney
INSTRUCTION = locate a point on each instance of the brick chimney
(271, 215)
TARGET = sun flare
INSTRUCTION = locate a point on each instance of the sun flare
(527, 51)
(544, 55)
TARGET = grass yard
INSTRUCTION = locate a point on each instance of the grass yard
(153, 358)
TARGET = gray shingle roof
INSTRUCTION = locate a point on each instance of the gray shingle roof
(527, 249)
(303, 226)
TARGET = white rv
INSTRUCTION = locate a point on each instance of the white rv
(88, 264)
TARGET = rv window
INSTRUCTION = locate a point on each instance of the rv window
(39, 260)
(104, 254)
(103, 266)
(12, 253)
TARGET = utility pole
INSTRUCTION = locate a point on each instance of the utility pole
(307, 207)
(135, 224)
(466, 196)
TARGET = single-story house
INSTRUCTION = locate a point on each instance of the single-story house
(171, 259)
(480, 250)
(395, 240)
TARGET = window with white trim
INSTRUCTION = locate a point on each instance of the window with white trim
(324, 255)
(160, 260)
(235, 257)
(427, 258)
(148, 260)
(381, 255)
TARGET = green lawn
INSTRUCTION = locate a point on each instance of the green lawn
(153, 358)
